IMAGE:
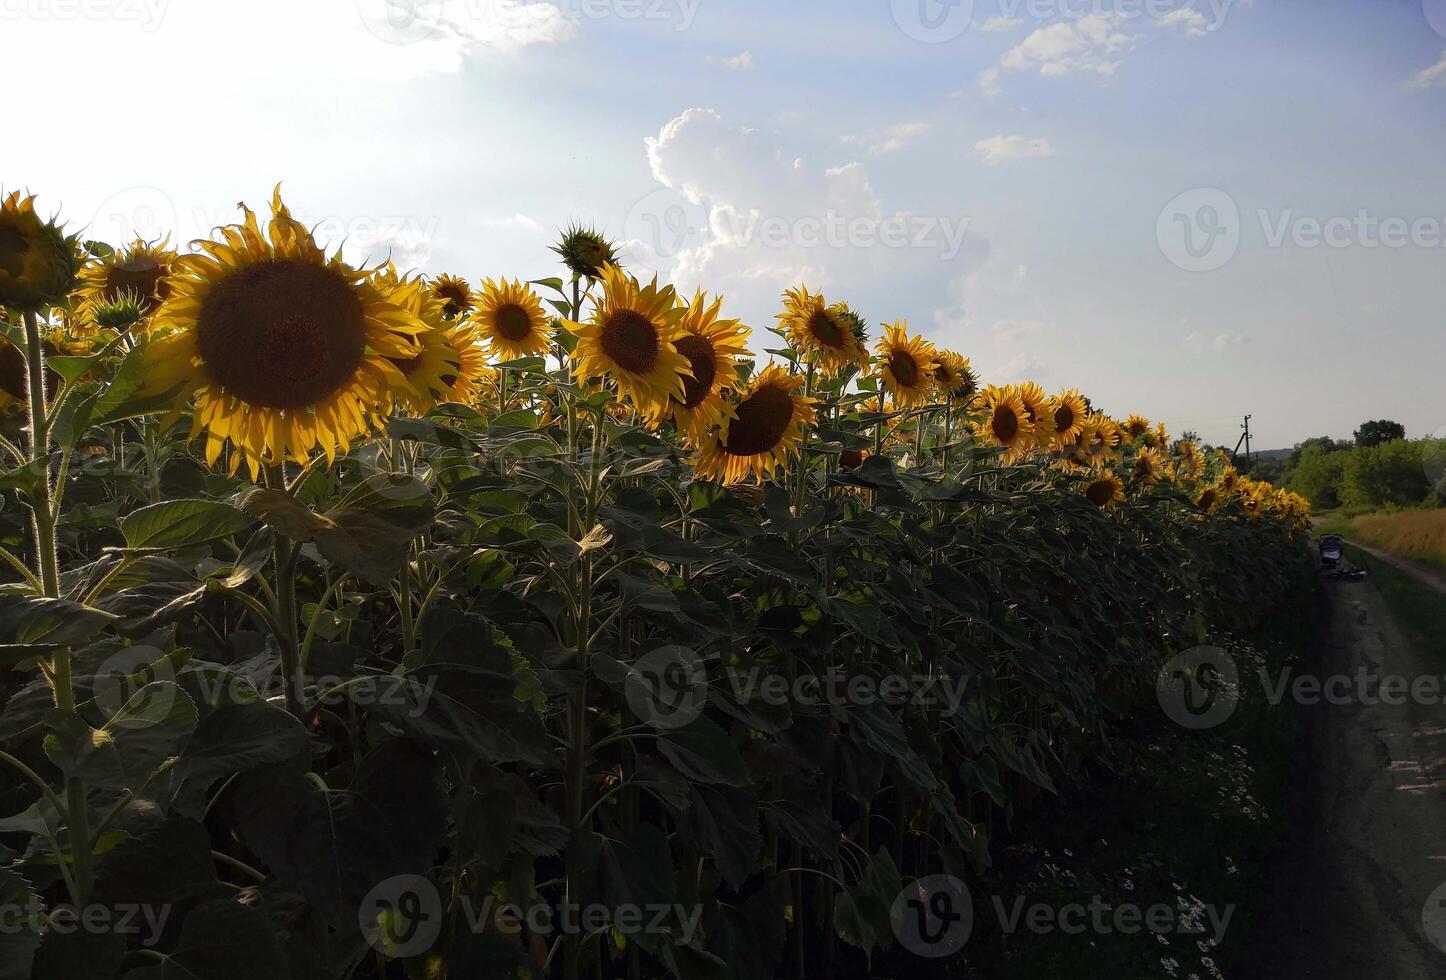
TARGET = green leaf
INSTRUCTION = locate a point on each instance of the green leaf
(233, 738)
(38, 622)
(706, 753)
(220, 940)
(180, 523)
(283, 512)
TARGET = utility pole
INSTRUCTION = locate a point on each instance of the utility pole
(1245, 438)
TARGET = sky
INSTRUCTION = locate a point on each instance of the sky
(1192, 211)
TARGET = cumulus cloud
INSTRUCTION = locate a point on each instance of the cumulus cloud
(1009, 332)
(1433, 77)
(1197, 342)
(891, 139)
(1001, 23)
(742, 61)
(1192, 21)
(740, 213)
(997, 150)
(1090, 45)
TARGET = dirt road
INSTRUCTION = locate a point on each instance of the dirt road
(1367, 850)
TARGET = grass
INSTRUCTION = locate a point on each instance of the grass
(1420, 610)
(1185, 815)
(1416, 534)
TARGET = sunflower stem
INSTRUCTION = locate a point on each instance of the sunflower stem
(292, 676)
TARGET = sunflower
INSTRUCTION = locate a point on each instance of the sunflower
(1070, 417)
(1191, 463)
(138, 271)
(632, 337)
(38, 261)
(906, 365)
(1208, 499)
(1161, 436)
(1147, 468)
(1074, 456)
(1103, 439)
(431, 371)
(767, 426)
(955, 377)
(714, 349)
(1136, 426)
(822, 333)
(1105, 492)
(1040, 409)
(289, 350)
(1229, 476)
(1004, 422)
(510, 318)
(455, 293)
(585, 252)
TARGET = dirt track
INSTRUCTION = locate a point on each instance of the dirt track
(1368, 812)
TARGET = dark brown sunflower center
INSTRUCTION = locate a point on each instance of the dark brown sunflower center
(1005, 424)
(282, 334)
(825, 329)
(905, 369)
(13, 246)
(631, 341)
(763, 418)
(1064, 418)
(1100, 492)
(851, 459)
(1207, 499)
(704, 362)
(513, 322)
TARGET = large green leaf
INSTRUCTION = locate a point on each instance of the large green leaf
(179, 523)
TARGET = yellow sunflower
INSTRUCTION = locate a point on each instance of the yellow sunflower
(824, 334)
(1161, 436)
(509, 318)
(1040, 409)
(713, 348)
(1070, 415)
(429, 372)
(1136, 426)
(955, 377)
(38, 262)
(138, 270)
(1103, 439)
(287, 350)
(1004, 422)
(767, 426)
(1106, 492)
(455, 293)
(632, 338)
(1147, 468)
(906, 365)
(1208, 499)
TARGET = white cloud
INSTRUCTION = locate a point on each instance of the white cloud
(1433, 77)
(1020, 367)
(1193, 21)
(1007, 332)
(1088, 45)
(1198, 343)
(742, 61)
(1001, 149)
(995, 24)
(753, 218)
(891, 139)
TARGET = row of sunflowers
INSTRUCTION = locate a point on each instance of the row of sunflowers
(345, 603)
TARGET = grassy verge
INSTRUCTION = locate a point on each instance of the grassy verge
(1187, 820)
(1420, 610)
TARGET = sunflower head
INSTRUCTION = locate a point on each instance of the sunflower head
(851, 459)
(585, 252)
(38, 261)
(906, 365)
(1003, 422)
(768, 423)
(1147, 468)
(1105, 492)
(955, 377)
(1136, 427)
(1208, 499)
(138, 271)
(430, 372)
(1102, 439)
(631, 338)
(1070, 417)
(714, 349)
(287, 350)
(119, 314)
(1041, 411)
(455, 294)
(509, 318)
(829, 336)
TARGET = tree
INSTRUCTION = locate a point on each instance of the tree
(1316, 474)
(1326, 443)
(1379, 432)
(1391, 474)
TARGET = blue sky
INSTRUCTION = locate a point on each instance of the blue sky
(1018, 184)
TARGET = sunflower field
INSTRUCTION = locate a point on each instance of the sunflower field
(362, 624)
